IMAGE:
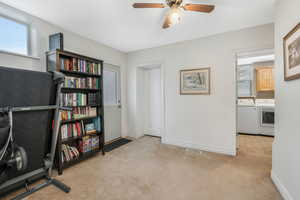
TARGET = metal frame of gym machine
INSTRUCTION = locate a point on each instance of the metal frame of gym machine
(49, 160)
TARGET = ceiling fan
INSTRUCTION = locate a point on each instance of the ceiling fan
(174, 15)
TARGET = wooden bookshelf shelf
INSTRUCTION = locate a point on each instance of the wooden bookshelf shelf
(79, 67)
(77, 120)
(84, 74)
(64, 89)
(92, 105)
(83, 156)
(72, 139)
(62, 53)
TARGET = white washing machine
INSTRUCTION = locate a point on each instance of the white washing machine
(266, 119)
(248, 120)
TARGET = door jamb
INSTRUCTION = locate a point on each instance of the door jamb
(163, 108)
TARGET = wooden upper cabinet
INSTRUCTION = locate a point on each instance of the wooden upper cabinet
(264, 79)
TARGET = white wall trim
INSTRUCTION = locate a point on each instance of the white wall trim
(202, 147)
(281, 188)
(19, 55)
(152, 132)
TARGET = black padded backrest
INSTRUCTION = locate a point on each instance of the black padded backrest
(31, 130)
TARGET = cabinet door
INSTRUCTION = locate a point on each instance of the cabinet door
(264, 79)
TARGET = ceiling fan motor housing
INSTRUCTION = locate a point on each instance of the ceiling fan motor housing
(174, 14)
(172, 3)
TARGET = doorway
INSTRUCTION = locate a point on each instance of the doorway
(112, 102)
(255, 95)
(150, 100)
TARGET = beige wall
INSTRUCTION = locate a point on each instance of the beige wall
(286, 148)
(205, 122)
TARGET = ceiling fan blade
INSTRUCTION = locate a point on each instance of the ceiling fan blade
(199, 8)
(167, 22)
(148, 5)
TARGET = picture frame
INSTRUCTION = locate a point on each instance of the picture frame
(195, 81)
(291, 47)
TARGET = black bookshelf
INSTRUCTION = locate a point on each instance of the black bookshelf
(89, 105)
(77, 120)
(79, 73)
(56, 62)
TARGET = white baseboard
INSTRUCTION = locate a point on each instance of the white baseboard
(200, 147)
(155, 132)
(281, 188)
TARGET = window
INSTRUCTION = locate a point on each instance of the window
(13, 36)
(245, 81)
(110, 87)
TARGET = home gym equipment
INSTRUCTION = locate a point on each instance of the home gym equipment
(29, 123)
(11, 155)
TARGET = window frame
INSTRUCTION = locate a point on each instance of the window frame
(252, 81)
(28, 36)
(114, 69)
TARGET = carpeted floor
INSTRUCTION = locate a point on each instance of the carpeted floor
(147, 170)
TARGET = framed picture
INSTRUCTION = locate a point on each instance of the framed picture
(291, 45)
(195, 81)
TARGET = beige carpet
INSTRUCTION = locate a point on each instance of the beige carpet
(147, 170)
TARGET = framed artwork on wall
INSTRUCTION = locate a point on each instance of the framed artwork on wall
(195, 81)
(291, 45)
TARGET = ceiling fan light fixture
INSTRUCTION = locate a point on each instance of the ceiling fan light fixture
(175, 16)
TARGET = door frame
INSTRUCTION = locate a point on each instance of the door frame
(236, 55)
(157, 64)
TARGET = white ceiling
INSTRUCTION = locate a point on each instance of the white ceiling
(116, 24)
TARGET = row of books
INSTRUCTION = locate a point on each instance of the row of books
(89, 143)
(79, 99)
(73, 82)
(79, 112)
(71, 130)
(79, 65)
(69, 153)
(80, 129)
(93, 98)
(73, 99)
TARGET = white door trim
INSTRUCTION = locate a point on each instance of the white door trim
(161, 65)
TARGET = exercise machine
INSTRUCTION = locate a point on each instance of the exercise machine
(11, 155)
(14, 156)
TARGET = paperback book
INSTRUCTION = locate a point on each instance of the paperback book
(79, 65)
(69, 153)
(85, 83)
